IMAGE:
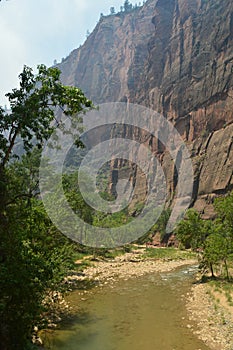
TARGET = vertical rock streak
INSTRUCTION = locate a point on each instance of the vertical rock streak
(176, 57)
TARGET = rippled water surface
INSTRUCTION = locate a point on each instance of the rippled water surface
(146, 313)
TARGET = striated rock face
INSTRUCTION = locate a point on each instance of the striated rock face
(214, 161)
(176, 57)
(113, 57)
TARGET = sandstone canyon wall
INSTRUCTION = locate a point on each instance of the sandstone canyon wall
(176, 57)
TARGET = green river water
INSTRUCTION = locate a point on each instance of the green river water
(144, 313)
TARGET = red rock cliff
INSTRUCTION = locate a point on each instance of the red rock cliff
(175, 56)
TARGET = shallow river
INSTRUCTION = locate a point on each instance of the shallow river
(146, 313)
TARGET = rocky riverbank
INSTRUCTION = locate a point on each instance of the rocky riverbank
(212, 315)
(129, 265)
(211, 322)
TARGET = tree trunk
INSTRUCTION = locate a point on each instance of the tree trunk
(227, 271)
(212, 271)
(10, 148)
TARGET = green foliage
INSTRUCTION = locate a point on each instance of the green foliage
(127, 6)
(112, 253)
(75, 198)
(168, 253)
(224, 209)
(34, 256)
(111, 220)
(190, 231)
(159, 226)
(215, 250)
(33, 108)
(213, 239)
(112, 10)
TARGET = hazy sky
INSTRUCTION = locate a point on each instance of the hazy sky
(34, 32)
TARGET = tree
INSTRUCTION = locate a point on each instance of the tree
(192, 231)
(33, 109)
(224, 209)
(75, 198)
(161, 224)
(33, 255)
(215, 251)
(213, 238)
(112, 10)
(127, 6)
